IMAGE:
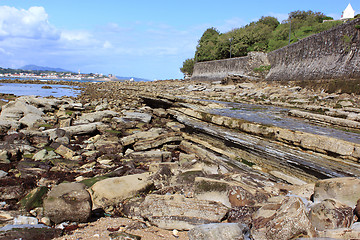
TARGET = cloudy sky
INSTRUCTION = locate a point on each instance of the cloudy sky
(140, 38)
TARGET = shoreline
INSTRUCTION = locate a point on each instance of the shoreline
(155, 155)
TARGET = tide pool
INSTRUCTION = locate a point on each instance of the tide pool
(20, 89)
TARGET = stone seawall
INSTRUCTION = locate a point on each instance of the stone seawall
(219, 69)
(333, 54)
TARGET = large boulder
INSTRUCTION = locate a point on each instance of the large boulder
(331, 214)
(178, 212)
(17, 109)
(345, 190)
(286, 220)
(111, 191)
(68, 202)
(216, 231)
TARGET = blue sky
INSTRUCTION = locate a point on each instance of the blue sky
(140, 38)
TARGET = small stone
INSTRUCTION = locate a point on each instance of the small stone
(175, 233)
(65, 152)
(3, 173)
(46, 221)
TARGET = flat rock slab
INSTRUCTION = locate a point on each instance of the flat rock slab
(151, 156)
(178, 212)
(136, 116)
(157, 141)
(112, 191)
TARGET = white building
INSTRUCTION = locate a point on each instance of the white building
(348, 13)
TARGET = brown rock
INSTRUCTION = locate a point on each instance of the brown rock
(345, 190)
(282, 221)
(246, 196)
(331, 214)
(357, 209)
(65, 152)
(242, 214)
(178, 212)
(157, 141)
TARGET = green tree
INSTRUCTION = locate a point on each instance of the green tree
(188, 66)
(206, 49)
(271, 22)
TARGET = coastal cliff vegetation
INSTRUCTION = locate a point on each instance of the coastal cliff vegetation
(265, 35)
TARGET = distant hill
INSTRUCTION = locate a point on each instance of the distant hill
(135, 79)
(40, 68)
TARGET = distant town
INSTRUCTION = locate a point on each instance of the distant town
(37, 74)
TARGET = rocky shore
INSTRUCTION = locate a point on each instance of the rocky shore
(179, 160)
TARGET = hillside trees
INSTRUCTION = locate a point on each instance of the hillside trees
(264, 35)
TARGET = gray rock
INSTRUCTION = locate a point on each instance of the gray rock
(216, 231)
(4, 158)
(43, 155)
(17, 109)
(20, 220)
(29, 232)
(47, 104)
(151, 156)
(30, 119)
(135, 117)
(68, 202)
(178, 212)
(6, 125)
(78, 129)
(95, 116)
(3, 173)
(211, 189)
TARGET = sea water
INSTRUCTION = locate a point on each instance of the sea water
(20, 89)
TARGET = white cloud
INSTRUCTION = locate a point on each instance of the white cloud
(107, 45)
(27, 37)
(75, 35)
(231, 24)
(3, 51)
(20, 23)
(280, 16)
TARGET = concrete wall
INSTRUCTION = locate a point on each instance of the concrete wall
(219, 69)
(327, 55)
(333, 54)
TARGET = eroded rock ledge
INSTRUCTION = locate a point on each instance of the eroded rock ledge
(157, 154)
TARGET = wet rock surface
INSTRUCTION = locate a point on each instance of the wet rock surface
(169, 158)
